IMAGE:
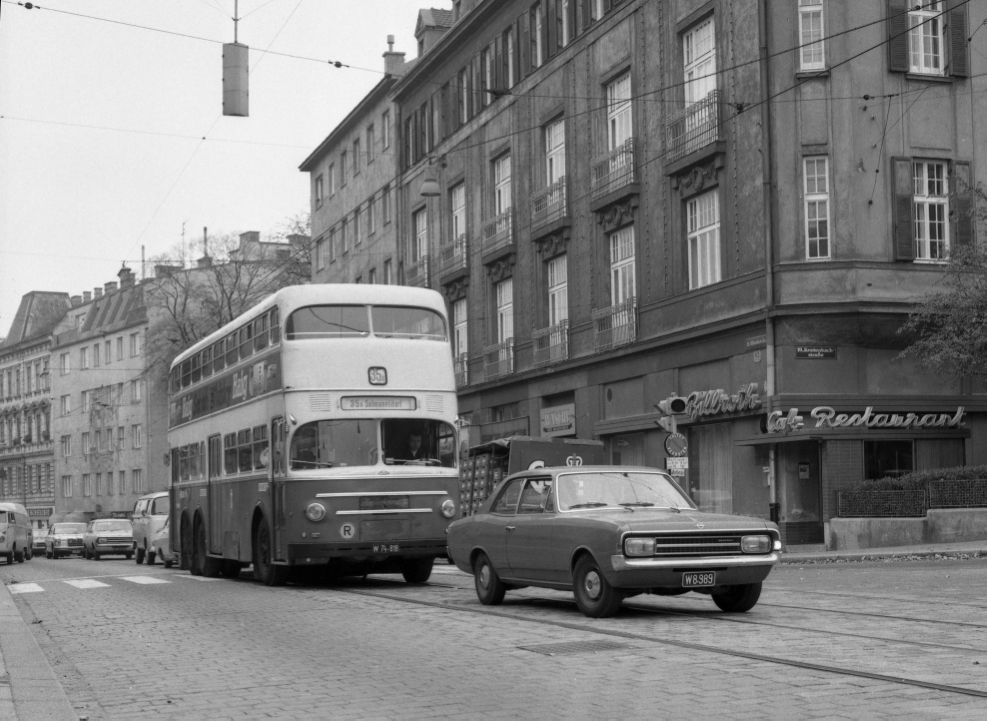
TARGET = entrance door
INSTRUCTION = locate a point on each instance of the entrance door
(276, 472)
(215, 459)
(627, 450)
(801, 487)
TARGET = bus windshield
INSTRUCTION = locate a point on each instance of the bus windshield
(354, 321)
(355, 442)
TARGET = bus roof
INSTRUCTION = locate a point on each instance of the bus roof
(296, 296)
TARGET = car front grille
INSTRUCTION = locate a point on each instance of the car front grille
(116, 539)
(692, 545)
(74, 542)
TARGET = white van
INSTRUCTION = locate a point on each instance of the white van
(150, 514)
(15, 532)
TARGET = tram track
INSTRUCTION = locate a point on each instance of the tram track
(690, 645)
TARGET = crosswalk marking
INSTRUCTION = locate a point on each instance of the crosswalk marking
(87, 583)
(144, 579)
(25, 588)
(198, 578)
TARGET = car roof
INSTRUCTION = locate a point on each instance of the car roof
(560, 470)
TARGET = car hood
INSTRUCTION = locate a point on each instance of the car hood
(64, 536)
(647, 519)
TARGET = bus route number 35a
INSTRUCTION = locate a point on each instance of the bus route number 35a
(378, 376)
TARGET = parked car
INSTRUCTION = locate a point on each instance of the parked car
(609, 532)
(106, 536)
(161, 545)
(38, 541)
(150, 514)
(64, 539)
(15, 532)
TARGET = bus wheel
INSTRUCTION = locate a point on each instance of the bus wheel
(416, 570)
(208, 567)
(264, 568)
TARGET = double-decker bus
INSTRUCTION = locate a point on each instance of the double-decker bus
(317, 429)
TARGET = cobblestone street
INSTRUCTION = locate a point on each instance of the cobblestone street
(852, 640)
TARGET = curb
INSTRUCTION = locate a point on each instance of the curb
(29, 688)
(878, 555)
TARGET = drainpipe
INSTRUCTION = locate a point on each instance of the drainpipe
(769, 330)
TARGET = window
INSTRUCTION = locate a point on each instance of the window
(357, 234)
(622, 268)
(135, 344)
(372, 276)
(419, 246)
(66, 442)
(64, 368)
(457, 197)
(332, 179)
(96, 356)
(387, 272)
(87, 400)
(371, 216)
(356, 157)
(502, 184)
(136, 390)
(109, 483)
(122, 480)
(136, 435)
(385, 204)
(66, 404)
(509, 69)
(87, 484)
(699, 61)
(120, 348)
(138, 480)
(462, 97)
(563, 31)
(343, 241)
(931, 208)
(460, 327)
(385, 129)
(703, 227)
(816, 208)
(926, 39)
(66, 486)
(619, 119)
(99, 484)
(555, 151)
(83, 363)
(505, 310)
(887, 458)
(812, 56)
(99, 440)
(318, 191)
(87, 446)
(121, 435)
(558, 291)
(107, 354)
(370, 144)
(320, 254)
(332, 245)
(537, 25)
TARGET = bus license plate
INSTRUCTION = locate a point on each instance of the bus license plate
(703, 578)
(386, 548)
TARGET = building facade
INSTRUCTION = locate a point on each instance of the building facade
(26, 448)
(735, 205)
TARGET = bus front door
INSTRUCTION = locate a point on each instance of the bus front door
(278, 465)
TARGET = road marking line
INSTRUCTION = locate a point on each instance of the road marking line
(24, 588)
(143, 579)
(198, 578)
(87, 583)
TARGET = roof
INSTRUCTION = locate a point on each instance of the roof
(110, 312)
(433, 18)
(37, 315)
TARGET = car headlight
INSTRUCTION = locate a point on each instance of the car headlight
(448, 508)
(755, 544)
(639, 546)
(315, 511)
(100, 540)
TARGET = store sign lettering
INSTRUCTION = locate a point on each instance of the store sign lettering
(826, 417)
(709, 403)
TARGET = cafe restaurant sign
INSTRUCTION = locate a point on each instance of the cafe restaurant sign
(826, 417)
(711, 403)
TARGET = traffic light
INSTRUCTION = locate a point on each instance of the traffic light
(669, 408)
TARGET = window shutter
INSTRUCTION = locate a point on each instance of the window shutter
(498, 61)
(959, 59)
(962, 205)
(898, 36)
(525, 45)
(517, 52)
(904, 225)
(477, 85)
(551, 36)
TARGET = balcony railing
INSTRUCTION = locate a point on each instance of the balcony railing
(416, 272)
(614, 170)
(460, 365)
(42, 446)
(498, 360)
(616, 325)
(498, 232)
(551, 344)
(693, 128)
(454, 255)
(549, 205)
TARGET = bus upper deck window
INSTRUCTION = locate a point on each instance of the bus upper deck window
(207, 362)
(186, 373)
(232, 350)
(327, 321)
(218, 356)
(260, 333)
(246, 341)
(275, 327)
(405, 322)
(196, 368)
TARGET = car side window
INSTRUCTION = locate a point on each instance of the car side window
(507, 502)
(536, 496)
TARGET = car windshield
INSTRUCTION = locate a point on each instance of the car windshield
(619, 489)
(69, 528)
(112, 526)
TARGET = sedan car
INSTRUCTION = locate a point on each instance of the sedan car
(108, 536)
(609, 532)
(38, 542)
(64, 539)
(161, 546)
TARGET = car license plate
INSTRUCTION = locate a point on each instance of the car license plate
(387, 548)
(702, 578)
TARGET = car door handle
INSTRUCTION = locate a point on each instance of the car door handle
(511, 528)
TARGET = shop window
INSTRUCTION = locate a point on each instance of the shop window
(888, 458)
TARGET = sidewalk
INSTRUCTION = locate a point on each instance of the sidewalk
(29, 688)
(803, 554)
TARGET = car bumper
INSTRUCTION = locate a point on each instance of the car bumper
(112, 548)
(667, 572)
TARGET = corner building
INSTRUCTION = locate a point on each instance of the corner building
(733, 203)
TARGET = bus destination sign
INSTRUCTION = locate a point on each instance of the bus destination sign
(260, 377)
(378, 403)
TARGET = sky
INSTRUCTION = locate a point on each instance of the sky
(104, 105)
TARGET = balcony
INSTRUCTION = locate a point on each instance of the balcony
(498, 360)
(614, 171)
(615, 326)
(694, 128)
(549, 206)
(416, 273)
(460, 366)
(497, 236)
(27, 448)
(453, 259)
(551, 344)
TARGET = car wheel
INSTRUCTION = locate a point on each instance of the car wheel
(150, 557)
(416, 570)
(129, 555)
(738, 599)
(49, 554)
(489, 588)
(595, 597)
(19, 556)
(264, 569)
(210, 567)
(140, 556)
(169, 564)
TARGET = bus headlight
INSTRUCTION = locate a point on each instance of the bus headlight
(448, 508)
(315, 512)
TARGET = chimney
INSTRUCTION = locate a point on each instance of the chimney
(126, 276)
(76, 300)
(86, 296)
(97, 292)
(110, 286)
(393, 62)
